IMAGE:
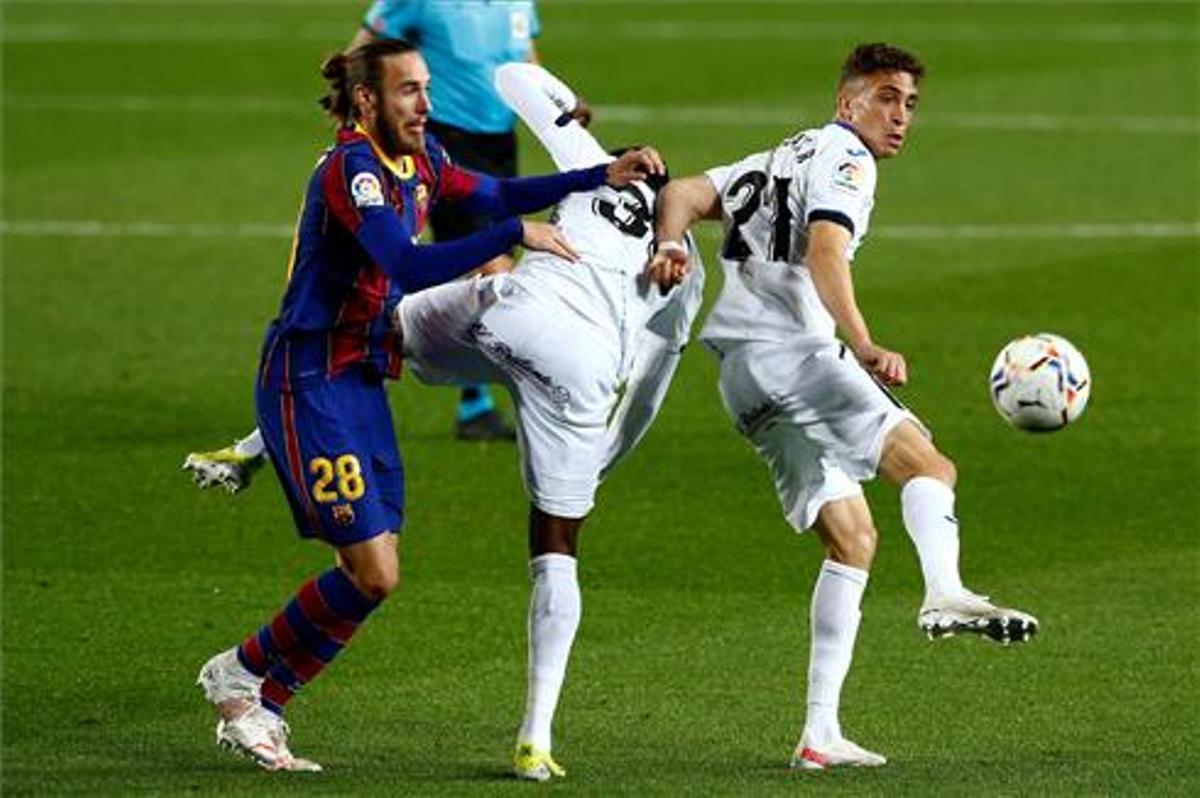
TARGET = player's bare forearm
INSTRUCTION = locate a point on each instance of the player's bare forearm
(830, 272)
(680, 203)
(684, 201)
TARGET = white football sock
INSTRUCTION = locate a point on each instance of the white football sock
(554, 612)
(251, 445)
(835, 616)
(928, 508)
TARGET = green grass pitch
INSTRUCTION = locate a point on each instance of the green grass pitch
(153, 157)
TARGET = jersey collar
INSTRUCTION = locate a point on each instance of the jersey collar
(402, 169)
(848, 126)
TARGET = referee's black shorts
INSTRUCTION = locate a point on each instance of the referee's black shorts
(491, 153)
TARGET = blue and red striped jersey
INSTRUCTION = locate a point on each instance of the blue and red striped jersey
(355, 252)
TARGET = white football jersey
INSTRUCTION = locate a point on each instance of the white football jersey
(768, 200)
(611, 229)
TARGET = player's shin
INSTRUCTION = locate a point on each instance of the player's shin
(305, 636)
(554, 613)
(927, 505)
(834, 619)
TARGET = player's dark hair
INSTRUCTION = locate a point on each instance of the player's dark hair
(363, 64)
(654, 182)
(867, 59)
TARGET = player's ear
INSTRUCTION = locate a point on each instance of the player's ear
(847, 93)
(364, 99)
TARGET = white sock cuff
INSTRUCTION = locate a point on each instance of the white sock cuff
(856, 575)
(548, 563)
(918, 487)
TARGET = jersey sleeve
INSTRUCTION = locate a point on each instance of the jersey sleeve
(726, 179)
(393, 19)
(841, 185)
(501, 197)
(719, 176)
(544, 104)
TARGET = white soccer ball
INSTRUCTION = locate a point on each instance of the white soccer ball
(1040, 383)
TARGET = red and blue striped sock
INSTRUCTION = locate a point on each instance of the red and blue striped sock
(305, 636)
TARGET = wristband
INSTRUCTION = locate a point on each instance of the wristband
(669, 246)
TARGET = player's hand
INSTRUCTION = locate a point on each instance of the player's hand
(582, 112)
(669, 265)
(501, 264)
(885, 364)
(544, 237)
(635, 165)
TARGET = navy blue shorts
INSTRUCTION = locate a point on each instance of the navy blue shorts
(334, 448)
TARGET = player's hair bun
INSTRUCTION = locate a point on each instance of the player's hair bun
(337, 101)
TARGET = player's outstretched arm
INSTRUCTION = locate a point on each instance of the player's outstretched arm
(549, 107)
(680, 203)
(830, 271)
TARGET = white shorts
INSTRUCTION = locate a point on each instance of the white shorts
(815, 416)
(562, 373)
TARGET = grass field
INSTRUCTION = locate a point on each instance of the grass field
(153, 156)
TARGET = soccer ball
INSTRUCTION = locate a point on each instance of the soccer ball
(1040, 383)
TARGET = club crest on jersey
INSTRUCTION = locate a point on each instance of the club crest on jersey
(343, 514)
(848, 175)
(366, 190)
(518, 25)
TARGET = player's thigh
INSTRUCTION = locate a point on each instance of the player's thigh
(563, 378)
(436, 328)
(333, 448)
(545, 349)
(805, 479)
(815, 417)
(841, 408)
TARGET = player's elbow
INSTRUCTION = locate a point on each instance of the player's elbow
(692, 198)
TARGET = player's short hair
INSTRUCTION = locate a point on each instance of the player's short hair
(363, 64)
(867, 59)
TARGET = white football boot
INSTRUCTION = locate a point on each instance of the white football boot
(967, 612)
(244, 726)
(841, 753)
(224, 467)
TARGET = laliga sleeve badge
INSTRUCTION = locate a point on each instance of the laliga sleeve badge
(366, 190)
(848, 175)
(343, 514)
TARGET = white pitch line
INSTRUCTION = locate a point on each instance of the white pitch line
(66, 228)
(698, 115)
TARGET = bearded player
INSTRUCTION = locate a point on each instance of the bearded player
(320, 398)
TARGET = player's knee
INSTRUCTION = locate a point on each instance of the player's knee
(378, 582)
(854, 546)
(940, 467)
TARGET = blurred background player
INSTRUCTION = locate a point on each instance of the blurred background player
(320, 399)
(463, 43)
(815, 408)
